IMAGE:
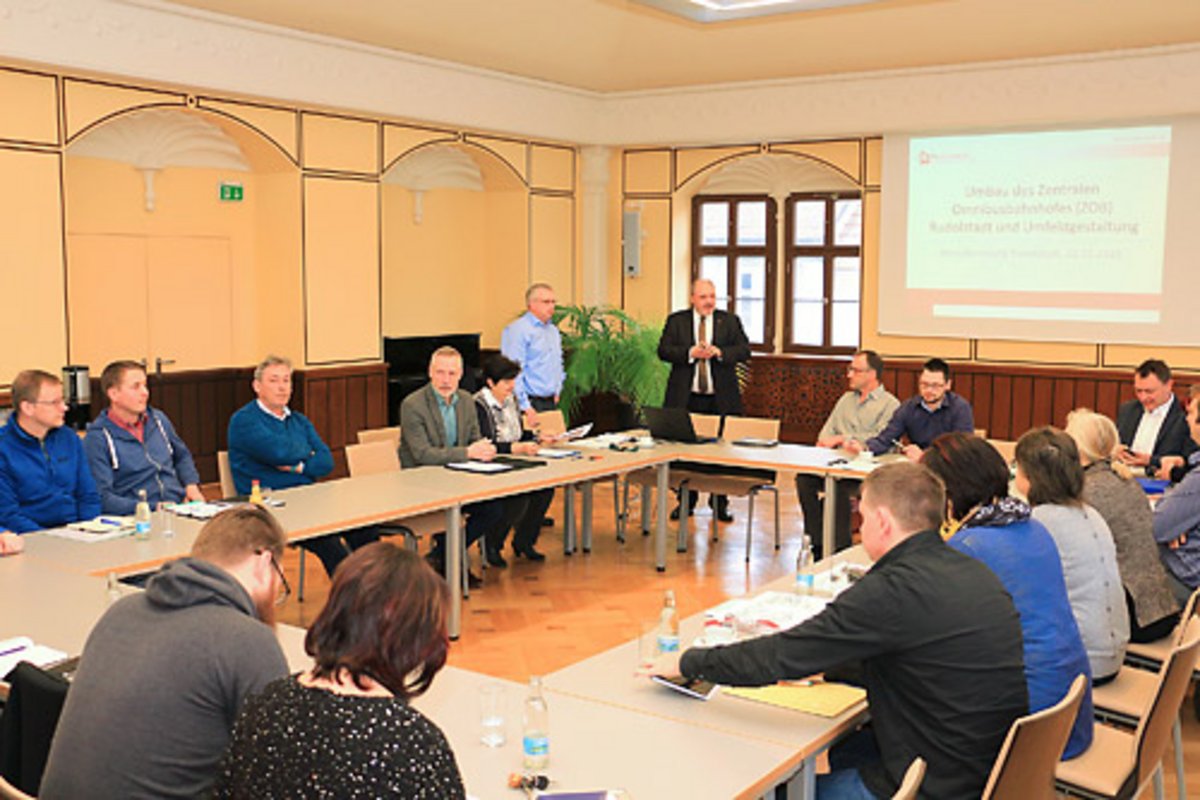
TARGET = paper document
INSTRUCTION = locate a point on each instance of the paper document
(199, 510)
(820, 698)
(558, 452)
(574, 433)
(100, 529)
(21, 648)
(478, 466)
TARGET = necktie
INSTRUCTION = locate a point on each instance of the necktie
(702, 380)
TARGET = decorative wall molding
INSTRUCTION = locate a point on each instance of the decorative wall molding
(161, 42)
(439, 166)
(595, 175)
(154, 139)
(777, 175)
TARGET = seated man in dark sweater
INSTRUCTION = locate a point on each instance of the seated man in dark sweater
(165, 671)
(934, 410)
(278, 447)
(939, 642)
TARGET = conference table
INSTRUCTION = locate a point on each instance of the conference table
(349, 503)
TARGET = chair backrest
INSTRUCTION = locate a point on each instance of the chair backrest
(10, 792)
(981, 433)
(1006, 448)
(372, 458)
(1189, 610)
(551, 422)
(1154, 727)
(706, 424)
(750, 428)
(1026, 762)
(35, 702)
(391, 435)
(225, 474)
(912, 780)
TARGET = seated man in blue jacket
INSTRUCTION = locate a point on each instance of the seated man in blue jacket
(44, 477)
(934, 410)
(130, 446)
(280, 448)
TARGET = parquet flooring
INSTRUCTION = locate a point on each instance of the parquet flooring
(537, 618)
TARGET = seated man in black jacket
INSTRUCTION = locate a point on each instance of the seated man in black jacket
(939, 642)
(1154, 425)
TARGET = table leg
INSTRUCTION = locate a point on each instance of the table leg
(454, 567)
(663, 474)
(569, 521)
(829, 515)
(585, 533)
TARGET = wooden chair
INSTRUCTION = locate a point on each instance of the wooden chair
(1120, 763)
(10, 792)
(1006, 448)
(225, 474)
(1024, 768)
(734, 483)
(553, 422)
(1125, 698)
(912, 781)
(391, 435)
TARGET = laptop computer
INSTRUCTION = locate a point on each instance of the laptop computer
(673, 425)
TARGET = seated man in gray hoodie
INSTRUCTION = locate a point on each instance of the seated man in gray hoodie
(165, 671)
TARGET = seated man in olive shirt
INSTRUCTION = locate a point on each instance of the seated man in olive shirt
(929, 625)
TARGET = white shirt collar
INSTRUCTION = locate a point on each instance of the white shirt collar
(287, 412)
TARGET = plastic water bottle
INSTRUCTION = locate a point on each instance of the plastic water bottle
(804, 560)
(668, 625)
(535, 738)
(141, 516)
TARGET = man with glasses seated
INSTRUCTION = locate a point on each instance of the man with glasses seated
(44, 476)
(165, 672)
(862, 412)
(933, 411)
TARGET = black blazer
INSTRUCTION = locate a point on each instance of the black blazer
(678, 338)
(1174, 437)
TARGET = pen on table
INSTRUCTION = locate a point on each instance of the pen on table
(896, 443)
(107, 521)
(12, 650)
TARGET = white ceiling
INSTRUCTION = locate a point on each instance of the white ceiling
(620, 45)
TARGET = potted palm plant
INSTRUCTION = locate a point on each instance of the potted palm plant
(612, 366)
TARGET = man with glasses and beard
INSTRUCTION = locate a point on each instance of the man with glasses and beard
(165, 671)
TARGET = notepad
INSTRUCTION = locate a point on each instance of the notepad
(821, 699)
(478, 466)
(22, 648)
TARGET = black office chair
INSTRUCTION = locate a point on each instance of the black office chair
(35, 701)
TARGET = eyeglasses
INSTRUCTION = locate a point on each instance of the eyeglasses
(927, 385)
(284, 590)
(58, 402)
(857, 370)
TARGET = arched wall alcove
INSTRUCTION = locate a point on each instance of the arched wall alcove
(197, 275)
(777, 174)
(455, 220)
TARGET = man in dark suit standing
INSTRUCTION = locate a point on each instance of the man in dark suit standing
(1154, 425)
(703, 346)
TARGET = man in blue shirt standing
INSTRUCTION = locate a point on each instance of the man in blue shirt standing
(44, 476)
(534, 342)
(280, 448)
(933, 411)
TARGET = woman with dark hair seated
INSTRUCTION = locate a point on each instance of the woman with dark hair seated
(500, 421)
(344, 728)
(985, 523)
(1050, 474)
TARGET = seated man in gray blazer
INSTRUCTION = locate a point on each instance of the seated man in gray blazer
(438, 425)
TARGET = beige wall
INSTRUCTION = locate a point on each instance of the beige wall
(318, 262)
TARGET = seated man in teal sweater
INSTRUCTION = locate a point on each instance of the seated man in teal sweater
(279, 448)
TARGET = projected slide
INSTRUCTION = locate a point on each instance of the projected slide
(1069, 235)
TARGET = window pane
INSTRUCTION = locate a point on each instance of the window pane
(716, 269)
(752, 296)
(808, 323)
(753, 315)
(845, 325)
(714, 223)
(847, 222)
(752, 223)
(845, 279)
(808, 222)
(808, 278)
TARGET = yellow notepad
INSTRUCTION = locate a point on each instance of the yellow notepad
(822, 699)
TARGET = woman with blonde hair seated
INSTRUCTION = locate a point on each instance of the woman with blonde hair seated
(1109, 488)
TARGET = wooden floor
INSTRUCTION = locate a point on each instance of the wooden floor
(537, 618)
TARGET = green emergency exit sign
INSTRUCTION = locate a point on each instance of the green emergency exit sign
(231, 192)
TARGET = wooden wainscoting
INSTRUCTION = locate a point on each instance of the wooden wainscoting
(341, 401)
(1008, 400)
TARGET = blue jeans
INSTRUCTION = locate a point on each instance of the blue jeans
(844, 781)
(844, 784)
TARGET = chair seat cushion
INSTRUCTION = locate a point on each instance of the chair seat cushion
(1105, 766)
(1129, 694)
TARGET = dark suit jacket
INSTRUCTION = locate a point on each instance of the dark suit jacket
(422, 434)
(1174, 438)
(678, 338)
